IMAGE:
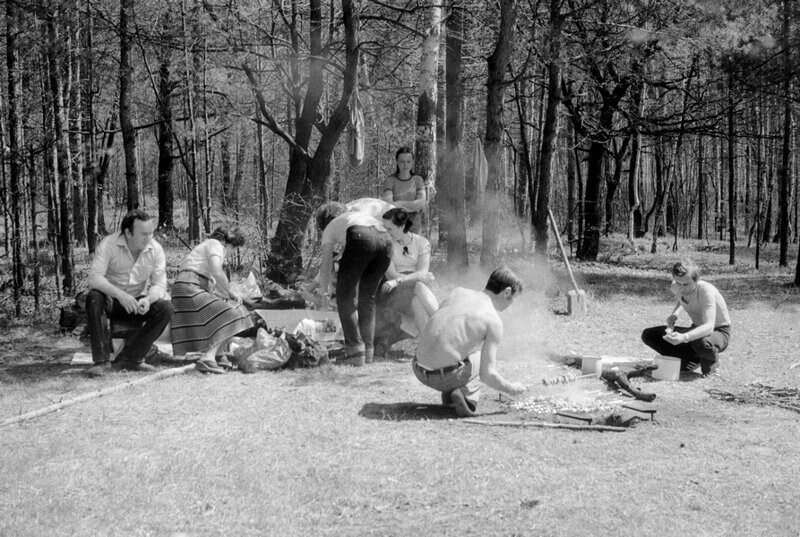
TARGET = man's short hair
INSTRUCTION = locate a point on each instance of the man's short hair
(686, 267)
(233, 236)
(131, 217)
(501, 278)
(327, 212)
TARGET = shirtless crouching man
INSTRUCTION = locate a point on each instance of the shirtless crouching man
(457, 350)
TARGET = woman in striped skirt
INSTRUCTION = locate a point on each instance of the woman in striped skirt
(207, 312)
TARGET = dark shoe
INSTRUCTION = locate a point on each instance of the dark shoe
(708, 368)
(355, 360)
(463, 410)
(223, 362)
(208, 367)
(99, 369)
(381, 350)
(136, 366)
(446, 401)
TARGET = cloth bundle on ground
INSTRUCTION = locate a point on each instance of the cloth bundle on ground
(73, 316)
(279, 298)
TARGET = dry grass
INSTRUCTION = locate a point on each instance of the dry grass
(342, 451)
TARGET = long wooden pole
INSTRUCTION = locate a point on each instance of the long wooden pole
(563, 251)
(172, 372)
(545, 424)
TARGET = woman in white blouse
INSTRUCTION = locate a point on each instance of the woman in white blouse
(405, 301)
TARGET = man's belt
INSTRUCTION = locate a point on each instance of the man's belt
(441, 371)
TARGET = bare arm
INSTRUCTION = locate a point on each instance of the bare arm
(220, 278)
(673, 316)
(489, 374)
(415, 206)
(326, 268)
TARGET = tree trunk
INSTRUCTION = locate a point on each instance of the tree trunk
(701, 190)
(308, 175)
(65, 185)
(495, 91)
(127, 21)
(13, 27)
(660, 201)
(190, 144)
(612, 183)
(572, 179)
(590, 246)
(453, 225)
(434, 208)
(89, 127)
(539, 216)
(760, 154)
(238, 174)
(634, 202)
(425, 145)
(166, 197)
(732, 194)
(207, 161)
(103, 173)
(783, 170)
(226, 176)
(264, 213)
(523, 89)
(77, 161)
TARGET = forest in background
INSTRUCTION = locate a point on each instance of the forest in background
(671, 117)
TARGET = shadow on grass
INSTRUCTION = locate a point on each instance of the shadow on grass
(32, 368)
(406, 411)
(411, 411)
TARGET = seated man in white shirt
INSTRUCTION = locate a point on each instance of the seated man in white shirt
(127, 281)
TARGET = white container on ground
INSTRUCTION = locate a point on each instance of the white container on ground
(669, 368)
(592, 365)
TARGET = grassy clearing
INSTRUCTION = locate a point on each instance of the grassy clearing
(342, 451)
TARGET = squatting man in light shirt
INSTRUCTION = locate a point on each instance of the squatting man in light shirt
(457, 350)
(710, 331)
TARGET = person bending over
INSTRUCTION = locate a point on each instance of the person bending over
(127, 281)
(457, 350)
(709, 333)
(207, 311)
(405, 302)
(366, 250)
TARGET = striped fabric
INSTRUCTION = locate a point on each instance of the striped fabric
(202, 319)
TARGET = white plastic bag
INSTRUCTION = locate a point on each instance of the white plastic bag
(247, 287)
(268, 353)
(320, 330)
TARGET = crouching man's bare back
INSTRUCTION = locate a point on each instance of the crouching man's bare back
(457, 350)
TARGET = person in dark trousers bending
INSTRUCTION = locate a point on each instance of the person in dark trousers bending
(127, 281)
(709, 333)
(457, 350)
(366, 253)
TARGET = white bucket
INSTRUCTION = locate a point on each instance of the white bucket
(669, 368)
(592, 365)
